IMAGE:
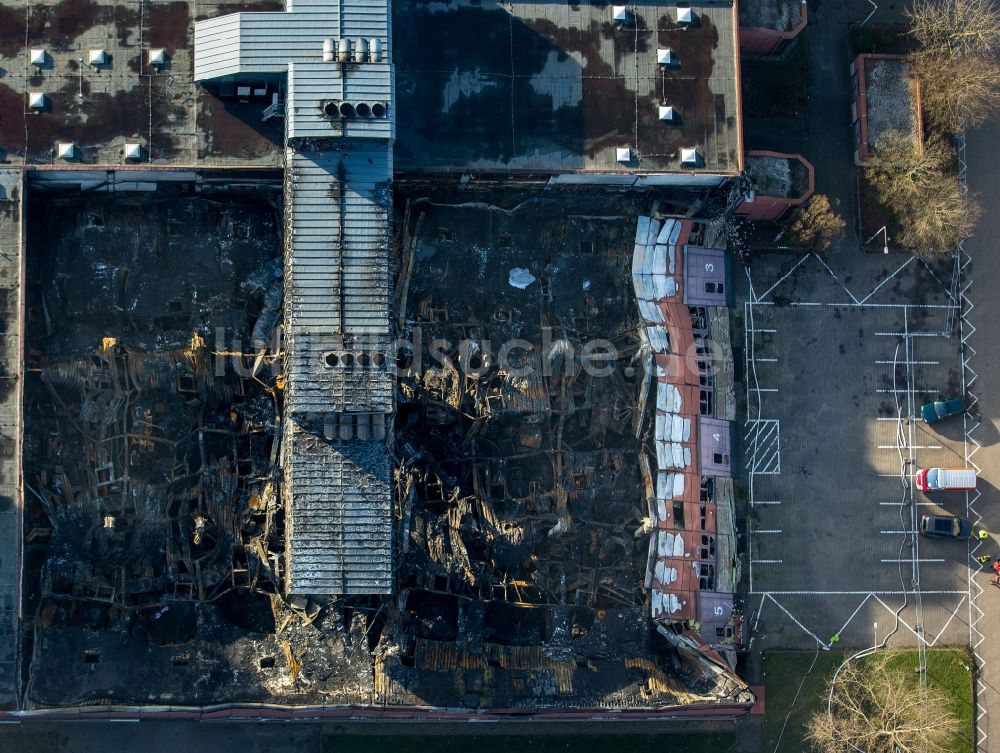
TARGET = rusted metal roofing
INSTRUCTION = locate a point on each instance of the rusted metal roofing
(683, 545)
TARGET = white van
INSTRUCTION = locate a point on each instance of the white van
(946, 479)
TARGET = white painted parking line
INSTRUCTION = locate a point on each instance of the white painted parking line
(895, 531)
(908, 334)
(765, 502)
(910, 363)
(842, 305)
(919, 559)
(763, 436)
(894, 475)
(948, 622)
(912, 447)
(765, 389)
(765, 360)
(923, 591)
(768, 530)
(876, 288)
(785, 276)
(762, 329)
(772, 562)
(917, 504)
(907, 392)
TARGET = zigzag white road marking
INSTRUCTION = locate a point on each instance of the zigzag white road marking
(972, 446)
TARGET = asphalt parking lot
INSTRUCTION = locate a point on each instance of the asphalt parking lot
(837, 361)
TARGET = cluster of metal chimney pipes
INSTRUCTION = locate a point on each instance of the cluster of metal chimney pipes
(359, 50)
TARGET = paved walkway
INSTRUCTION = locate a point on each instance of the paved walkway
(10, 406)
(983, 350)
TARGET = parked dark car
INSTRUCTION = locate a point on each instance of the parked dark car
(947, 526)
(934, 412)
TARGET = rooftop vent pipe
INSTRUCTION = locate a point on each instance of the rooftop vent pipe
(328, 47)
(666, 57)
(344, 50)
(361, 50)
(375, 50)
(690, 157)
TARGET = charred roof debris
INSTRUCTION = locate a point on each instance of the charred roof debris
(402, 427)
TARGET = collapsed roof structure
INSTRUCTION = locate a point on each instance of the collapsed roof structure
(242, 472)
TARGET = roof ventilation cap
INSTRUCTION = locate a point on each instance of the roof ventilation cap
(39, 57)
(361, 50)
(685, 16)
(157, 56)
(690, 156)
(666, 57)
(36, 100)
(623, 154)
(667, 113)
(98, 57)
(619, 13)
(66, 149)
(133, 150)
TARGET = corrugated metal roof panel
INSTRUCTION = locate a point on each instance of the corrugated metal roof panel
(338, 228)
(312, 85)
(248, 43)
(339, 223)
(338, 515)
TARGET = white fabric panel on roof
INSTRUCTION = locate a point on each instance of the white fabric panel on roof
(665, 231)
(658, 343)
(659, 259)
(637, 253)
(642, 230)
(675, 233)
(668, 397)
(654, 230)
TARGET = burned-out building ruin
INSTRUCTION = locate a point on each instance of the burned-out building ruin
(318, 412)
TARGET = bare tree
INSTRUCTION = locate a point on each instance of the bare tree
(942, 218)
(877, 707)
(956, 65)
(921, 189)
(955, 28)
(818, 226)
(957, 92)
(901, 169)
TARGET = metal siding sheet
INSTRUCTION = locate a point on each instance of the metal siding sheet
(338, 205)
(338, 508)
